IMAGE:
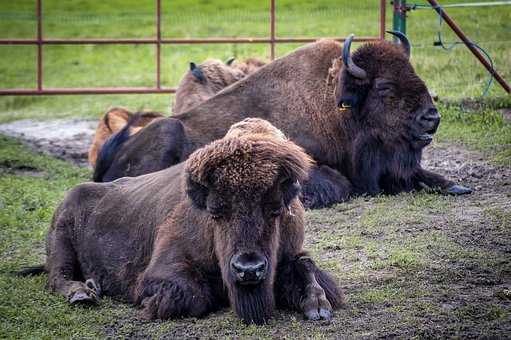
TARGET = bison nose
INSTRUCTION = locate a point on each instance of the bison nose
(429, 120)
(249, 268)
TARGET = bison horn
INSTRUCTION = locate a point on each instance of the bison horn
(404, 41)
(352, 68)
(230, 61)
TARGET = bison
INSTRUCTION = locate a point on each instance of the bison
(364, 118)
(224, 227)
(200, 83)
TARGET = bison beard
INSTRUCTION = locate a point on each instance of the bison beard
(253, 304)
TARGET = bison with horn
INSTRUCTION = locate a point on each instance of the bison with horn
(224, 227)
(363, 117)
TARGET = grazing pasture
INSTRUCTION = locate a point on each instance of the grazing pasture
(415, 264)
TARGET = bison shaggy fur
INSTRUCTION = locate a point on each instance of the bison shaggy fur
(225, 227)
(366, 135)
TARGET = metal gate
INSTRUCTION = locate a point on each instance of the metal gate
(157, 41)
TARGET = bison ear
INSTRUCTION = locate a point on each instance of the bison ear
(197, 73)
(197, 192)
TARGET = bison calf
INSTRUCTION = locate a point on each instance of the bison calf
(224, 227)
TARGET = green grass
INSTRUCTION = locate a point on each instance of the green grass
(482, 127)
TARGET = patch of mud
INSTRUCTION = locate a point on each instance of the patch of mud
(506, 113)
(20, 170)
(467, 167)
(461, 285)
(67, 139)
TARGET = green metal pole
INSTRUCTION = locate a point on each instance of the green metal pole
(399, 17)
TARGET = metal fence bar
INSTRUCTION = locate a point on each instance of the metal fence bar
(382, 19)
(153, 41)
(272, 29)
(470, 4)
(39, 46)
(85, 90)
(158, 41)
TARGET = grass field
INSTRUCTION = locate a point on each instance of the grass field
(412, 265)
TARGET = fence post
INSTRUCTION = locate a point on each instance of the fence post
(399, 16)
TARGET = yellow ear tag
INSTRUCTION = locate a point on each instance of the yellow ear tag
(344, 107)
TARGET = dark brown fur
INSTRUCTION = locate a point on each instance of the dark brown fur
(112, 122)
(370, 148)
(164, 240)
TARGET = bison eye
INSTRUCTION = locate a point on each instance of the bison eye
(385, 87)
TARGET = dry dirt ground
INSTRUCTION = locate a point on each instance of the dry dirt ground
(412, 265)
(67, 139)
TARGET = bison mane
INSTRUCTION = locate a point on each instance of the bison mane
(252, 161)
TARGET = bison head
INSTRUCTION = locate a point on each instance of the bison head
(215, 74)
(380, 88)
(247, 186)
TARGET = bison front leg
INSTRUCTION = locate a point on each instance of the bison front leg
(430, 180)
(302, 286)
(325, 187)
(181, 292)
(62, 268)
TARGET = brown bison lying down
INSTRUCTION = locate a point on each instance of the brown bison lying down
(202, 82)
(364, 119)
(226, 227)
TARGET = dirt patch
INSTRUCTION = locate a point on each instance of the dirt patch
(467, 166)
(506, 113)
(20, 170)
(67, 139)
(449, 259)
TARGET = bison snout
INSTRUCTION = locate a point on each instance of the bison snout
(429, 121)
(249, 268)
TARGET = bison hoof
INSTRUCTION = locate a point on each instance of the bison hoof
(315, 304)
(457, 190)
(87, 293)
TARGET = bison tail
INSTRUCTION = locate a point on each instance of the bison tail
(110, 147)
(31, 271)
